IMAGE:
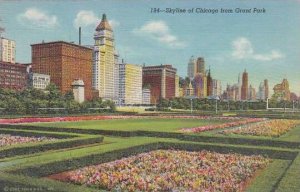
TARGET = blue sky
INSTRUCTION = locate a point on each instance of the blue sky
(267, 45)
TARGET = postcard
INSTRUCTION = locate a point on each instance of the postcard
(198, 95)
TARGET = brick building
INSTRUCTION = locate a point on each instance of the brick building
(13, 76)
(162, 81)
(64, 62)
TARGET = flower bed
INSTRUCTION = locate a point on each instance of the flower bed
(271, 128)
(7, 140)
(169, 170)
(222, 126)
(99, 117)
(59, 119)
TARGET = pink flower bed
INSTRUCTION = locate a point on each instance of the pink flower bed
(222, 126)
(58, 119)
(271, 128)
(7, 140)
(98, 117)
(169, 170)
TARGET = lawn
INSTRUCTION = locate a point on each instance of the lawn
(153, 124)
(30, 170)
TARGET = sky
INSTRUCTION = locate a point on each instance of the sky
(266, 44)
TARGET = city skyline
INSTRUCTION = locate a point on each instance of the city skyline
(232, 42)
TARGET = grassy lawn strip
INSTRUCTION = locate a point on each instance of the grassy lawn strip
(268, 178)
(233, 139)
(290, 181)
(152, 124)
(292, 135)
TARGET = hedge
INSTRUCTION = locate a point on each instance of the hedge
(71, 164)
(49, 146)
(36, 134)
(180, 136)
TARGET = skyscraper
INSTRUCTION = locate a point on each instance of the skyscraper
(7, 50)
(261, 91)
(251, 93)
(104, 61)
(266, 85)
(200, 66)
(244, 93)
(209, 84)
(217, 88)
(191, 68)
(200, 85)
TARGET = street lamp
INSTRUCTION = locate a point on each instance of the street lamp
(217, 98)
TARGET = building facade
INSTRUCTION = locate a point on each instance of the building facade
(13, 76)
(177, 86)
(251, 93)
(161, 80)
(209, 84)
(200, 65)
(7, 50)
(65, 63)
(39, 81)
(244, 93)
(146, 96)
(105, 61)
(266, 85)
(130, 84)
(200, 85)
(282, 91)
(216, 88)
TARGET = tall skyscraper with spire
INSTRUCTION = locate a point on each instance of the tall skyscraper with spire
(105, 61)
(244, 94)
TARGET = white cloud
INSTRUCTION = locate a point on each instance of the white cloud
(160, 31)
(85, 18)
(269, 57)
(243, 49)
(36, 17)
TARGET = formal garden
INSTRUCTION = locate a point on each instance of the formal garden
(149, 153)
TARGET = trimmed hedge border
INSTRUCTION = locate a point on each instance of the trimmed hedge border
(180, 136)
(49, 146)
(36, 134)
(71, 164)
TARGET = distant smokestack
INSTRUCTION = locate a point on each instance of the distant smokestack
(79, 35)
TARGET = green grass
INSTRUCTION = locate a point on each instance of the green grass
(291, 180)
(153, 124)
(280, 175)
(267, 179)
(292, 135)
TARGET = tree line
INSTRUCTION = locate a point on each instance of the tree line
(48, 101)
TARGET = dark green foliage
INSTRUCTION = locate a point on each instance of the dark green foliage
(50, 101)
